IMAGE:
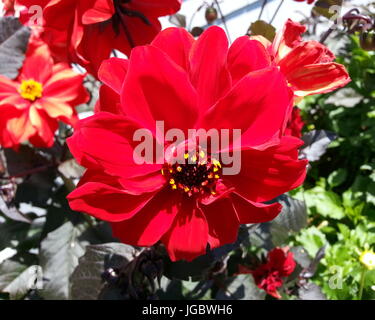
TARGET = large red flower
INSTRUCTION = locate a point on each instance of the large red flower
(307, 65)
(42, 94)
(189, 85)
(270, 275)
(94, 28)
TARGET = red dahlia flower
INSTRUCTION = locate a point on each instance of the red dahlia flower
(94, 28)
(42, 94)
(307, 65)
(188, 206)
(269, 276)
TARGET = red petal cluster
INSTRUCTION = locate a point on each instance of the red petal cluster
(43, 94)
(87, 31)
(269, 276)
(189, 84)
(307, 65)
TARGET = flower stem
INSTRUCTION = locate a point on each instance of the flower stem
(223, 19)
(362, 284)
(277, 10)
(261, 10)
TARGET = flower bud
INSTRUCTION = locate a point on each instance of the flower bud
(367, 40)
(211, 14)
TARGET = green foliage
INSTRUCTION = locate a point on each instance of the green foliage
(340, 188)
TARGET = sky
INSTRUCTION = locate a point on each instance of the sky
(241, 13)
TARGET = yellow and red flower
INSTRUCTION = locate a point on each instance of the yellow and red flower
(43, 94)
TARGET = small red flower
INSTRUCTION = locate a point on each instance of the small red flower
(269, 275)
(295, 124)
(42, 94)
(187, 84)
(307, 65)
(94, 28)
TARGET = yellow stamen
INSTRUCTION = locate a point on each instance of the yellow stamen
(31, 90)
(171, 181)
(216, 163)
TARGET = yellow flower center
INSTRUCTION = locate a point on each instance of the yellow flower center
(31, 90)
(368, 259)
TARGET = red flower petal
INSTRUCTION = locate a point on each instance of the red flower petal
(286, 40)
(106, 140)
(176, 43)
(102, 10)
(187, 238)
(251, 106)
(55, 108)
(44, 125)
(252, 212)
(151, 223)
(64, 84)
(309, 52)
(109, 101)
(38, 62)
(157, 89)
(208, 67)
(281, 261)
(318, 78)
(269, 173)
(222, 223)
(245, 56)
(112, 72)
(105, 202)
(156, 8)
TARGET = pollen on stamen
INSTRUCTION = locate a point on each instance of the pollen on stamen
(31, 90)
(198, 175)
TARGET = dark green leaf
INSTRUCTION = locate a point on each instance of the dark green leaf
(262, 28)
(241, 287)
(87, 282)
(316, 144)
(59, 254)
(14, 38)
(311, 292)
(292, 218)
